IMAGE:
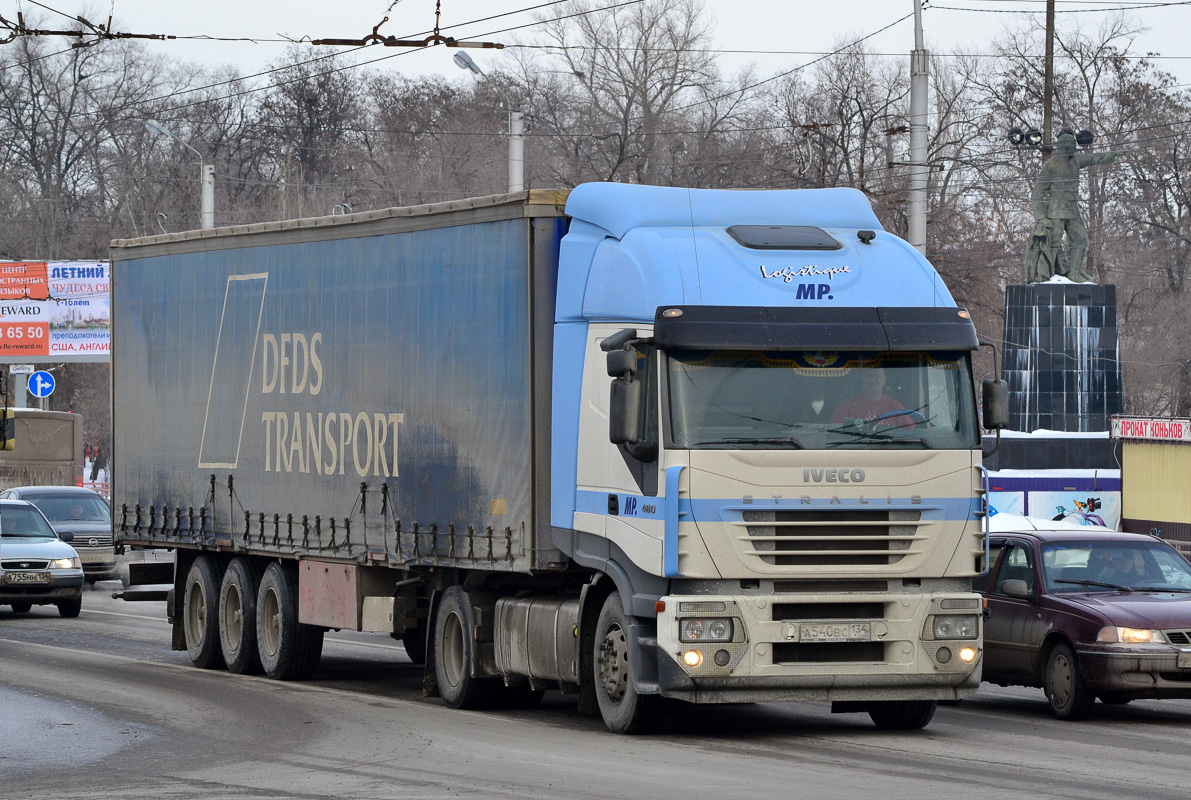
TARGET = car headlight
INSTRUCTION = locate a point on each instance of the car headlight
(1129, 636)
(66, 563)
(706, 630)
(956, 626)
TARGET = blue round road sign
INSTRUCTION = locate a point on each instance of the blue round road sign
(41, 384)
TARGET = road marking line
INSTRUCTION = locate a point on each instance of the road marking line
(130, 616)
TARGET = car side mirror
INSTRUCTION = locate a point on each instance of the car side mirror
(66, 536)
(1018, 589)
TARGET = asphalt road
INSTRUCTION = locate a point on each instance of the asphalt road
(100, 707)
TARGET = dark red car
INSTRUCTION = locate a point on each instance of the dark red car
(1087, 614)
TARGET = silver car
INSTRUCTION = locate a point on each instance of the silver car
(37, 567)
(81, 512)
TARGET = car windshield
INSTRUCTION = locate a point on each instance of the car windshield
(821, 400)
(23, 522)
(72, 507)
(1109, 566)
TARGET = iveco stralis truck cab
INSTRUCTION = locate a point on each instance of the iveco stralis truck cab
(776, 528)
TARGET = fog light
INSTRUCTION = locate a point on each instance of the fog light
(692, 658)
(722, 658)
(967, 654)
(944, 655)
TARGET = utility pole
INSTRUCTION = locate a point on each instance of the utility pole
(1048, 83)
(919, 169)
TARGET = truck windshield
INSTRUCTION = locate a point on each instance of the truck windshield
(821, 400)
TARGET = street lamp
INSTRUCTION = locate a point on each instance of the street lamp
(516, 128)
(206, 175)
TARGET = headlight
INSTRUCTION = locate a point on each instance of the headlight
(706, 630)
(1130, 636)
(66, 563)
(955, 626)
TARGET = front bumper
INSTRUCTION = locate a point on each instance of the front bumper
(886, 657)
(63, 585)
(1138, 672)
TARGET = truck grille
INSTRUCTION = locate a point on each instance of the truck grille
(836, 538)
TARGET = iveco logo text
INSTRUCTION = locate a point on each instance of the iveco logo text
(833, 476)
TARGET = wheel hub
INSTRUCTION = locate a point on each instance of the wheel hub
(1060, 680)
(612, 661)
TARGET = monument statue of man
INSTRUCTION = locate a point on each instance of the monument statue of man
(1055, 203)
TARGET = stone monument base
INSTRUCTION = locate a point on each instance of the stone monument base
(1062, 356)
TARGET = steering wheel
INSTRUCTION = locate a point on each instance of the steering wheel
(916, 417)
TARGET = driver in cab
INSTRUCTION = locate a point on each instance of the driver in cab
(870, 402)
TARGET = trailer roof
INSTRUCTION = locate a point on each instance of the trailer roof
(491, 208)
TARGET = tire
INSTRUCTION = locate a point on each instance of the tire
(1069, 697)
(70, 608)
(237, 616)
(200, 613)
(623, 709)
(902, 715)
(22, 608)
(454, 648)
(288, 650)
(414, 642)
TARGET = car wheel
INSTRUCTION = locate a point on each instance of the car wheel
(21, 608)
(623, 709)
(70, 608)
(237, 616)
(902, 715)
(1069, 697)
(289, 650)
(200, 613)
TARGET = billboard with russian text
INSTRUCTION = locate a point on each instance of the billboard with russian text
(54, 311)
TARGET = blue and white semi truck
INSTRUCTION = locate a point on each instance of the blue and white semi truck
(613, 443)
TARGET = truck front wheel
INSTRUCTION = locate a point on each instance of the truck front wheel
(288, 649)
(623, 709)
(237, 616)
(200, 616)
(902, 715)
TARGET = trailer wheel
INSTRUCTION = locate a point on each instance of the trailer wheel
(902, 715)
(623, 709)
(237, 616)
(200, 614)
(288, 649)
(414, 642)
(454, 646)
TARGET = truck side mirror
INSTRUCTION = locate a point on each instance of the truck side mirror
(624, 413)
(996, 405)
(622, 364)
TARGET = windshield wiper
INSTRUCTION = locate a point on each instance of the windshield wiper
(1162, 589)
(754, 440)
(877, 437)
(1119, 588)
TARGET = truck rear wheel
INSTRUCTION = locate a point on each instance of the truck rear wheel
(200, 615)
(454, 647)
(288, 649)
(237, 616)
(623, 709)
(902, 715)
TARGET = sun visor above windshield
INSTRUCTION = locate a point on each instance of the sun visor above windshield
(758, 328)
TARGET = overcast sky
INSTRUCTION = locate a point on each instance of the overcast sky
(793, 28)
